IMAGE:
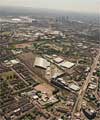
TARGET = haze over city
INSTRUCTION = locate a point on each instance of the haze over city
(91, 6)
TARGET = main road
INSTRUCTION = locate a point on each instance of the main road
(81, 94)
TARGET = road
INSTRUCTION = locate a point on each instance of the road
(19, 76)
(85, 85)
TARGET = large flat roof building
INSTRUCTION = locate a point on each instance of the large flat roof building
(58, 60)
(41, 62)
(74, 87)
(66, 64)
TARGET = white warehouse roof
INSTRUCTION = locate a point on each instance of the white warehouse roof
(41, 62)
(58, 60)
(74, 87)
(67, 64)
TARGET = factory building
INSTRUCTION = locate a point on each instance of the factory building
(41, 62)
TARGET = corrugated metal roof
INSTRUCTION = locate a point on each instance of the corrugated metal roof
(41, 62)
(58, 60)
(66, 64)
(74, 87)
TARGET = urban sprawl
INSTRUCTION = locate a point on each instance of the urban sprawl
(49, 69)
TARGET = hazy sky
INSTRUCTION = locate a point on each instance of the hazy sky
(69, 5)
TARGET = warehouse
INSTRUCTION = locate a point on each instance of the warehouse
(66, 64)
(41, 62)
(58, 60)
(74, 87)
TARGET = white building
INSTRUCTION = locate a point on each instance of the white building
(66, 64)
(41, 62)
(74, 87)
(58, 60)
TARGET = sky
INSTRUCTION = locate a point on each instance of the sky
(67, 5)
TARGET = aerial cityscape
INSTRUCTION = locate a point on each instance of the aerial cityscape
(49, 61)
